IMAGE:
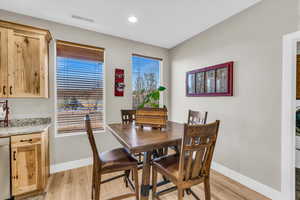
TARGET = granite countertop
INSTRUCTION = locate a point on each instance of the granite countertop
(25, 126)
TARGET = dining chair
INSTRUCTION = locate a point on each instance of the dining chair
(112, 161)
(196, 117)
(128, 116)
(192, 166)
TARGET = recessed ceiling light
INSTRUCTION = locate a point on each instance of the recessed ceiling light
(133, 19)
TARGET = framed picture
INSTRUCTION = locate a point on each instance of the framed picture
(210, 81)
(119, 82)
(191, 83)
(200, 82)
(221, 80)
(215, 80)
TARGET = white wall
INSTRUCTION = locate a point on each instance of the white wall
(249, 139)
(117, 54)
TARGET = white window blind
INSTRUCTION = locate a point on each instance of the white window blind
(79, 77)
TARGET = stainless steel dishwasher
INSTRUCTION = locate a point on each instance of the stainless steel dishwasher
(4, 169)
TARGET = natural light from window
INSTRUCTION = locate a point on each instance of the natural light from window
(145, 78)
(79, 92)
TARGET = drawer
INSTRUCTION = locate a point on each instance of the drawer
(23, 140)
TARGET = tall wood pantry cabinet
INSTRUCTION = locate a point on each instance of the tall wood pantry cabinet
(23, 61)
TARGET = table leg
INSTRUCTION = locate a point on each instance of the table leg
(145, 187)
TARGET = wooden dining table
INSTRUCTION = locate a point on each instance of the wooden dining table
(145, 140)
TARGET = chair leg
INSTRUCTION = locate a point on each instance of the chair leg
(94, 174)
(97, 186)
(180, 194)
(93, 183)
(188, 191)
(132, 175)
(207, 188)
(127, 172)
(136, 183)
(154, 183)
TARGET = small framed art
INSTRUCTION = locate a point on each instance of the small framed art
(191, 84)
(215, 80)
(200, 82)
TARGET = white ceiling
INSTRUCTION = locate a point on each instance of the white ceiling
(164, 23)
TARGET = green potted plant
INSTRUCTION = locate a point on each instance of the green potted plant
(149, 113)
(152, 99)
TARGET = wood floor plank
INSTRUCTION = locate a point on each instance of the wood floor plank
(76, 185)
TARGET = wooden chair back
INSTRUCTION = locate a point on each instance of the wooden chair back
(197, 150)
(89, 130)
(196, 117)
(128, 116)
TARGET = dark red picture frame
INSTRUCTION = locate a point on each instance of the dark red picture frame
(119, 82)
(205, 91)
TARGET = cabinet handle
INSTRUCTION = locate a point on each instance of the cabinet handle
(4, 90)
(14, 156)
(29, 140)
(10, 90)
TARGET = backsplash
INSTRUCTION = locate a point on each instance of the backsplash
(29, 122)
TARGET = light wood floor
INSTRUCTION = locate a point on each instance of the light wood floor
(75, 185)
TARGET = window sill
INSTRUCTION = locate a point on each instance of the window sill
(57, 135)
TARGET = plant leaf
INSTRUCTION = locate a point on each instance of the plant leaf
(141, 105)
(161, 88)
(154, 105)
(155, 95)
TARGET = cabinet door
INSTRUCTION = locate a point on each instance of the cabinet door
(45, 158)
(3, 62)
(26, 169)
(27, 65)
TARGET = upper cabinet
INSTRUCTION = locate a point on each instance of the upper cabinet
(3, 62)
(24, 61)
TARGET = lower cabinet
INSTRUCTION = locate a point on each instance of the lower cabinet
(29, 163)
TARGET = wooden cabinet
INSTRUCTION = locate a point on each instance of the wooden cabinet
(24, 61)
(3, 62)
(29, 163)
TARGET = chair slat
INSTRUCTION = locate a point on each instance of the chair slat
(189, 162)
(198, 163)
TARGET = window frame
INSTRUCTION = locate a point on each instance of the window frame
(61, 135)
(161, 80)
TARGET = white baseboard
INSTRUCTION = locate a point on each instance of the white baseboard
(70, 165)
(248, 182)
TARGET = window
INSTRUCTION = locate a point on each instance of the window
(79, 77)
(145, 77)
